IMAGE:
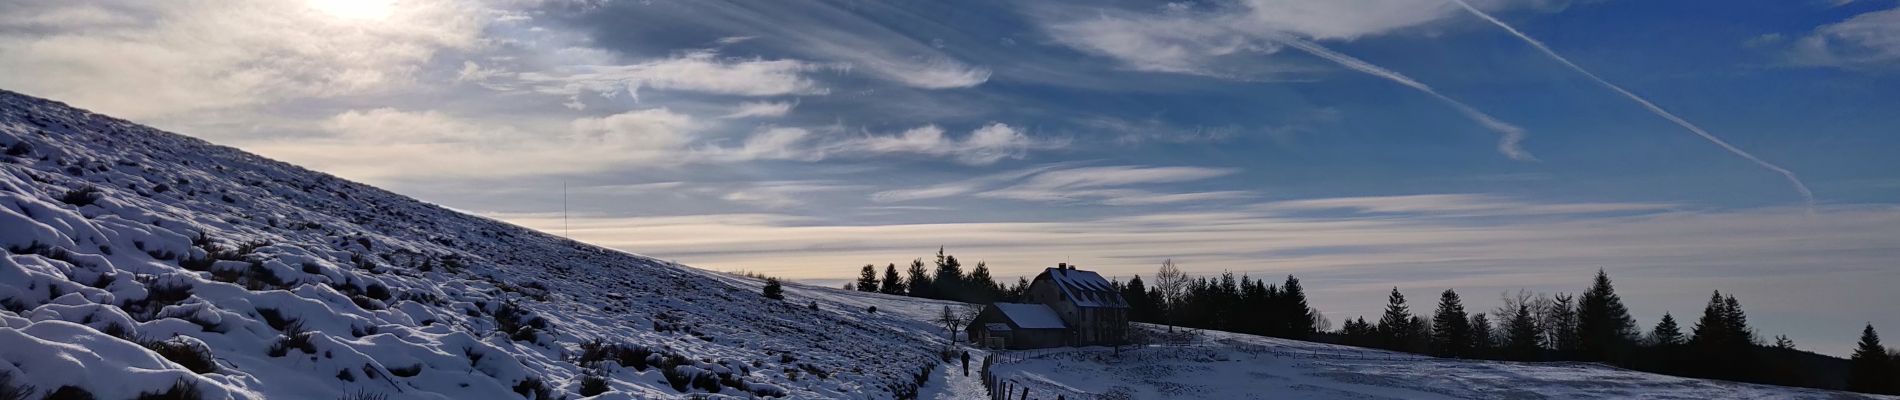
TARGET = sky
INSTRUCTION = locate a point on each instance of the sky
(1489, 146)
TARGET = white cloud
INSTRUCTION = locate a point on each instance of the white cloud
(1062, 183)
(1459, 205)
(1108, 185)
(1869, 40)
(387, 144)
(215, 54)
(985, 145)
(698, 71)
(752, 109)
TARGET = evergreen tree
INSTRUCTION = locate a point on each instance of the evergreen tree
(867, 278)
(919, 282)
(1360, 333)
(1525, 338)
(1300, 320)
(1666, 333)
(773, 290)
(1605, 330)
(1020, 292)
(1871, 368)
(1483, 336)
(1395, 326)
(948, 284)
(1451, 330)
(892, 284)
(1136, 292)
(1722, 345)
(1559, 315)
(980, 287)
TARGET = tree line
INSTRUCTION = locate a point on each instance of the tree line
(1593, 326)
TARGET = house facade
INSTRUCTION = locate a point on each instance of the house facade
(1087, 309)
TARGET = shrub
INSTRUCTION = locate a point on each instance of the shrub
(364, 395)
(180, 390)
(533, 388)
(593, 382)
(11, 391)
(294, 337)
(773, 290)
(19, 149)
(406, 372)
(82, 197)
(186, 353)
(69, 393)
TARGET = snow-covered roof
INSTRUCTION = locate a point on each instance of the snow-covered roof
(996, 326)
(1031, 316)
(1084, 288)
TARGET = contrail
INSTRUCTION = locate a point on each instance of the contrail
(1659, 111)
(1512, 134)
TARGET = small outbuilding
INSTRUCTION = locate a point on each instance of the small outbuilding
(1018, 326)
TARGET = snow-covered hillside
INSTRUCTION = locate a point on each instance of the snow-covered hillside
(1220, 365)
(141, 261)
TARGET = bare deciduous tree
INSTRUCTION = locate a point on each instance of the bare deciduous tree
(1170, 282)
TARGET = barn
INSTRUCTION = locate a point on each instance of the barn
(1018, 326)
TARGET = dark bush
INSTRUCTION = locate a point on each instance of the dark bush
(773, 290)
(364, 395)
(11, 391)
(377, 291)
(19, 149)
(533, 388)
(180, 390)
(69, 393)
(294, 337)
(185, 353)
(406, 372)
(82, 197)
(593, 382)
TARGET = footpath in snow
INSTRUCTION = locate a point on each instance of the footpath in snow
(949, 382)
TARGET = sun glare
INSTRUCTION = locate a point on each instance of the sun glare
(354, 9)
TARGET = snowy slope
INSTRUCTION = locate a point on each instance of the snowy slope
(123, 239)
(1222, 365)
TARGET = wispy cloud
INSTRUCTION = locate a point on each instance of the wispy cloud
(1064, 183)
(1458, 205)
(1802, 188)
(753, 109)
(698, 71)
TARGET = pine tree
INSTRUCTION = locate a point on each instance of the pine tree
(1020, 292)
(892, 284)
(1721, 343)
(1559, 321)
(1395, 326)
(1525, 338)
(980, 288)
(867, 278)
(1300, 319)
(1136, 292)
(773, 290)
(1451, 330)
(1360, 333)
(919, 283)
(1605, 330)
(948, 284)
(1483, 336)
(1666, 333)
(1871, 369)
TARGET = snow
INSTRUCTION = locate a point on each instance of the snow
(1234, 366)
(1031, 316)
(949, 382)
(304, 285)
(1085, 288)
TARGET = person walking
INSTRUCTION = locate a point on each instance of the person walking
(966, 363)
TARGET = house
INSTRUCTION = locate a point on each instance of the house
(1018, 326)
(1086, 311)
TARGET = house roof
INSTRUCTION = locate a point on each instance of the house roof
(1030, 316)
(1084, 288)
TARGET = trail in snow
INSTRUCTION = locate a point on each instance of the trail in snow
(949, 383)
(1806, 195)
(1512, 135)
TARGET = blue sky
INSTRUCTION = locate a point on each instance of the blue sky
(1358, 144)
